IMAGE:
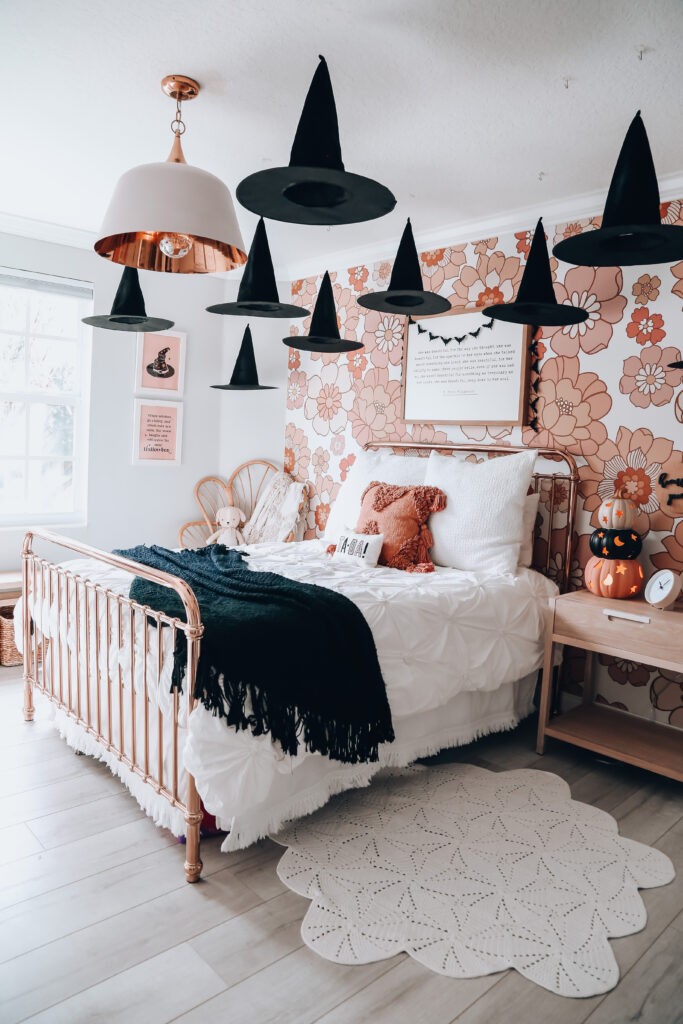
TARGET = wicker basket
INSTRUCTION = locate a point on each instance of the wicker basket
(9, 655)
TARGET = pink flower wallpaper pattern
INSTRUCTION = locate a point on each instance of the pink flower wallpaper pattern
(605, 393)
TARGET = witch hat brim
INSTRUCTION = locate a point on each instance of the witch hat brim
(258, 295)
(128, 310)
(323, 335)
(675, 366)
(245, 375)
(535, 302)
(315, 188)
(405, 295)
(631, 233)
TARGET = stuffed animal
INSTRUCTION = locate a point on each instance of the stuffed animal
(228, 519)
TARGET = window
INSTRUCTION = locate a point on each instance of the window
(44, 398)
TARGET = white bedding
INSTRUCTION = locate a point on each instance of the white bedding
(458, 652)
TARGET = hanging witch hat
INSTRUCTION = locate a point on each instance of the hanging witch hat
(315, 188)
(406, 294)
(245, 375)
(535, 302)
(323, 334)
(128, 311)
(632, 232)
(257, 295)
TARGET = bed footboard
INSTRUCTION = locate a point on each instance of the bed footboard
(104, 662)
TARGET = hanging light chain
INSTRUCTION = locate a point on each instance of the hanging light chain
(177, 124)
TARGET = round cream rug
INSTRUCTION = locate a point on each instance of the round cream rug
(470, 872)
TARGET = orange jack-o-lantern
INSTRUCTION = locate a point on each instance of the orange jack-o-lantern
(614, 577)
(617, 513)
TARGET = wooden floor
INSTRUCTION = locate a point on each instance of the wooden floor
(98, 925)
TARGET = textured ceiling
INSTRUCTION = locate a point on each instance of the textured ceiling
(456, 105)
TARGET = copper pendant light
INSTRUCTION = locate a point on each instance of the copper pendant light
(171, 216)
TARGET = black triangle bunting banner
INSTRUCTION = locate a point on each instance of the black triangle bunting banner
(459, 338)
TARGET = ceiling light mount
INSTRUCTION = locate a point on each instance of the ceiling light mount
(180, 88)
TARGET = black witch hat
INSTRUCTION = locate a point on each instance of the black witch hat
(257, 295)
(323, 334)
(315, 188)
(128, 311)
(632, 232)
(535, 302)
(245, 375)
(406, 294)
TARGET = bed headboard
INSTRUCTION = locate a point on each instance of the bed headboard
(554, 533)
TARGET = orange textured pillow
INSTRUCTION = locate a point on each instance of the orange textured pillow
(401, 513)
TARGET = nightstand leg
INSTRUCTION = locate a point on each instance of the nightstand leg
(588, 679)
(546, 684)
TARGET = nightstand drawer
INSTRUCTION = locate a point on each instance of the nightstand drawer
(591, 625)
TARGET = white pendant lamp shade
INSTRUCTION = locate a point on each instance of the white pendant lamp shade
(171, 216)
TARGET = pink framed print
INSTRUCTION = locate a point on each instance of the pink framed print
(158, 432)
(160, 364)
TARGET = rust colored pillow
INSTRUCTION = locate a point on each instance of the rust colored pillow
(400, 513)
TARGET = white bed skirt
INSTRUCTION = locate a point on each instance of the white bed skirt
(302, 789)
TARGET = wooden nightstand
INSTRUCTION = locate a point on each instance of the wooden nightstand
(650, 636)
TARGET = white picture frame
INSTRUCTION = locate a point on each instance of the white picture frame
(483, 378)
(157, 432)
(150, 346)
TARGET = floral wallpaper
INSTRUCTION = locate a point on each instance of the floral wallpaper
(605, 393)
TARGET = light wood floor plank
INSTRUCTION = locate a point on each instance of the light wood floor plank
(651, 993)
(246, 944)
(89, 819)
(17, 841)
(60, 969)
(409, 994)
(150, 993)
(294, 990)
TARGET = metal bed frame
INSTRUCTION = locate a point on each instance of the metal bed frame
(75, 599)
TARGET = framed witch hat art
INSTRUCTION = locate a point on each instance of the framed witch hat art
(632, 232)
(406, 294)
(315, 187)
(258, 295)
(245, 375)
(128, 310)
(323, 334)
(535, 302)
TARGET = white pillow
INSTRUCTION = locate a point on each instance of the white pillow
(383, 466)
(481, 528)
(526, 551)
(362, 548)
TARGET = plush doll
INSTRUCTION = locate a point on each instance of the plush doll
(228, 519)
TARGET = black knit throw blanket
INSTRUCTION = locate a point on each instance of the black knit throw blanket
(292, 659)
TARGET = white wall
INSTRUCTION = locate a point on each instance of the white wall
(253, 422)
(134, 504)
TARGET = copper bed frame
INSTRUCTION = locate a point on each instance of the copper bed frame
(74, 600)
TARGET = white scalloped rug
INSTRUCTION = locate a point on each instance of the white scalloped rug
(471, 872)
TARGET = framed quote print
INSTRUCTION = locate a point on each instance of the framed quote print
(465, 369)
(160, 364)
(157, 433)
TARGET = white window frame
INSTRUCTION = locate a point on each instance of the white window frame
(79, 399)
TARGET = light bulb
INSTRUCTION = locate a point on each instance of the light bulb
(175, 246)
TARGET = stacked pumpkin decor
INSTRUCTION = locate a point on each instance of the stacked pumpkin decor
(613, 569)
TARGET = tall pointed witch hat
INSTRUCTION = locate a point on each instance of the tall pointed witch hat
(632, 232)
(128, 311)
(257, 295)
(406, 293)
(535, 302)
(245, 375)
(315, 188)
(323, 334)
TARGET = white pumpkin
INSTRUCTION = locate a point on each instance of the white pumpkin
(617, 513)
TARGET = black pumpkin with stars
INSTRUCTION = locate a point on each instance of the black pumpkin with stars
(613, 544)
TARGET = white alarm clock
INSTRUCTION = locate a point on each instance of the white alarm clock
(662, 588)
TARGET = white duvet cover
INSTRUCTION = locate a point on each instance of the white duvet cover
(458, 652)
